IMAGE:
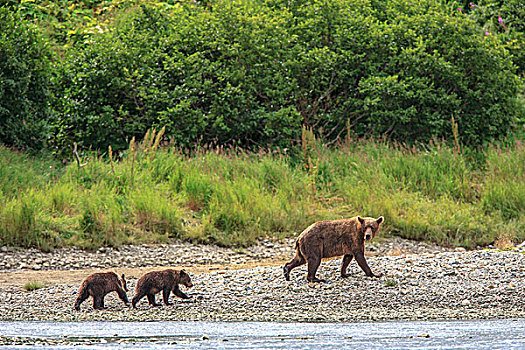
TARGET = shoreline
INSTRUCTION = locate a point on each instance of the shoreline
(435, 285)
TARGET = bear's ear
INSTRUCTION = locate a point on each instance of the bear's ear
(361, 220)
(380, 220)
(182, 272)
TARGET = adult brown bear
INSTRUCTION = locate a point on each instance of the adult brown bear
(326, 239)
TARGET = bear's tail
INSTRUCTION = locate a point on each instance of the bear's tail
(298, 250)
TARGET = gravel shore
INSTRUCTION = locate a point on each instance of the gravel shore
(421, 282)
(179, 253)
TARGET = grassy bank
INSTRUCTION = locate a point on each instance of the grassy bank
(232, 197)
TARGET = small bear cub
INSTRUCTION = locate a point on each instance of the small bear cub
(98, 285)
(166, 281)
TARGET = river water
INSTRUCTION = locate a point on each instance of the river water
(479, 334)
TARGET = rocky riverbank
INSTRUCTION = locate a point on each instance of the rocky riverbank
(178, 253)
(420, 282)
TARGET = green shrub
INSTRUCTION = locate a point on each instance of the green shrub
(503, 19)
(251, 73)
(202, 75)
(402, 68)
(24, 79)
(67, 22)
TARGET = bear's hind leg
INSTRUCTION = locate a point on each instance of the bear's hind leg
(298, 260)
(151, 299)
(166, 295)
(82, 295)
(313, 265)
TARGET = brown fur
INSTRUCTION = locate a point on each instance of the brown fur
(166, 281)
(98, 285)
(326, 239)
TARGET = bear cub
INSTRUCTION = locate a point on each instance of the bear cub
(166, 281)
(98, 285)
(326, 239)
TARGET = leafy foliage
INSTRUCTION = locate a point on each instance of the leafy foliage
(24, 87)
(67, 22)
(200, 75)
(402, 69)
(251, 73)
(504, 19)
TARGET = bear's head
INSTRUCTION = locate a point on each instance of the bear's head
(370, 226)
(185, 279)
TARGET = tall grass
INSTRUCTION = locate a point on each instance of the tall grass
(233, 197)
(505, 182)
(19, 171)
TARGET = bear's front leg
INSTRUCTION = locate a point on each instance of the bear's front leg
(361, 261)
(313, 265)
(180, 293)
(346, 261)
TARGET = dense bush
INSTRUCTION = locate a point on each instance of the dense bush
(401, 68)
(205, 75)
(24, 75)
(66, 22)
(252, 73)
(506, 19)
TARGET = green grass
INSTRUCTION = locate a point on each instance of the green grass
(231, 197)
(390, 282)
(33, 285)
(19, 171)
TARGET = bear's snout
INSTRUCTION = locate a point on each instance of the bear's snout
(368, 233)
